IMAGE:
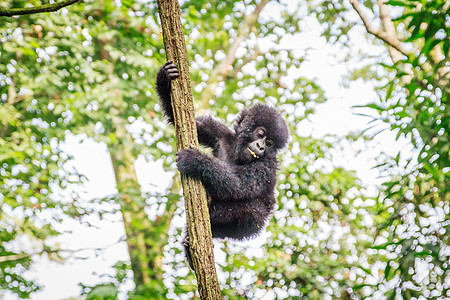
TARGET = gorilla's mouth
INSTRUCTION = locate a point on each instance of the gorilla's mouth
(253, 153)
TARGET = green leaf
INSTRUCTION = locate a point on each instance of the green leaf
(400, 3)
(103, 292)
(387, 271)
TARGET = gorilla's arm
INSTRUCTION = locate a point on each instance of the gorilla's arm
(163, 84)
(210, 131)
(223, 181)
(217, 177)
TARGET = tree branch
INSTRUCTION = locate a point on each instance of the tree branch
(13, 257)
(387, 36)
(389, 28)
(221, 70)
(9, 12)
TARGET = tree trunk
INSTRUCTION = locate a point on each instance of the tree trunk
(145, 238)
(197, 214)
(129, 194)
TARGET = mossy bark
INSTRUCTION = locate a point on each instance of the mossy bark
(197, 214)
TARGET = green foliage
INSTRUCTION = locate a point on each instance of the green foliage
(89, 70)
(10, 279)
(412, 237)
(88, 75)
(104, 291)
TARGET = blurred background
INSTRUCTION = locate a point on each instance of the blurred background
(91, 204)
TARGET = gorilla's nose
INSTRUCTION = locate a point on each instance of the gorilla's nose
(260, 145)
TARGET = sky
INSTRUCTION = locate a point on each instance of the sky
(336, 116)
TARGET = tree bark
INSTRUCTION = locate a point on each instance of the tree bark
(197, 214)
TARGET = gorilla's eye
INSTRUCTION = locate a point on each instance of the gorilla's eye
(261, 134)
(269, 143)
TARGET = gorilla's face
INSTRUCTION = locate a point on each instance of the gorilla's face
(260, 132)
(260, 143)
(253, 144)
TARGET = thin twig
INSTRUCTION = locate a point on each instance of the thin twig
(9, 12)
(13, 257)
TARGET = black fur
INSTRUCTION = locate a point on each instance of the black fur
(240, 185)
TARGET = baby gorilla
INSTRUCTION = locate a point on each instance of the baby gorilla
(240, 177)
